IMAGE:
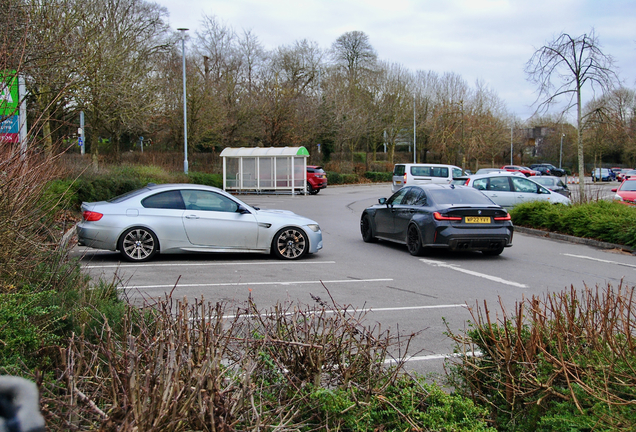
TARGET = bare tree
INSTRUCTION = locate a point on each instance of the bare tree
(562, 68)
(354, 52)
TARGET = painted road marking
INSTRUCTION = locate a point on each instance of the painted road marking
(222, 284)
(224, 264)
(472, 273)
(363, 310)
(600, 260)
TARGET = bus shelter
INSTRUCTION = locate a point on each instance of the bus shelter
(265, 169)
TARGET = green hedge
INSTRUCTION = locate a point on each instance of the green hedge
(379, 176)
(609, 221)
(334, 178)
(91, 188)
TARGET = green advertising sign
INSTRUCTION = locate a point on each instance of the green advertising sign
(9, 99)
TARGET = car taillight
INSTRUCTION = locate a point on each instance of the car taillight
(439, 216)
(503, 218)
(404, 181)
(467, 181)
(91, 216)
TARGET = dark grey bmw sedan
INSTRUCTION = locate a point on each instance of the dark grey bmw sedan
(439, 216)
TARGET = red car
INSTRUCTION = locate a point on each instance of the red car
(626, 192)
(316, 179)
(523, 170)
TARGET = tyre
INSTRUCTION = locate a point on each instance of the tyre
(414, 241)
(290, 244)
(366, 230)
(493, 252)
(138, 244)
(310, 189)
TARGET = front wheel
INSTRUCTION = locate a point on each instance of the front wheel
(366, 230)
(413, 241)
(290, 244)
(138, 244)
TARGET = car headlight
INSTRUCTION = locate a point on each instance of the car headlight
(314, 227)
(618, 197)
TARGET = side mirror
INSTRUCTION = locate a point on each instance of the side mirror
(242, 210)
(615, 190)
(382, 200)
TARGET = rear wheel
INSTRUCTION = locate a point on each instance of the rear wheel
(493, 252)
(414, 241)
(138, 244)
(290, 244)
(366, 230)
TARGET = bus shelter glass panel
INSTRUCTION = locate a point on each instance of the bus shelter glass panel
(283, 173)
(232, 173)
(299, 172)
(266, 172)
(249, 173)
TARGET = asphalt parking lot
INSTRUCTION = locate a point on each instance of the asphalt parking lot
(401, 292)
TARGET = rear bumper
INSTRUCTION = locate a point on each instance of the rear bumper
(475, 240)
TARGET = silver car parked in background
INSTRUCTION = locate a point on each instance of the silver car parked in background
(180, 218)
(508, 189)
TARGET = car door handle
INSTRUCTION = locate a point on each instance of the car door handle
(192, 217)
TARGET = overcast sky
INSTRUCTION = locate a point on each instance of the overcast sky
(487, 40)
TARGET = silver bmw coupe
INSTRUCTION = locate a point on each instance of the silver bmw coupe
(181, 218)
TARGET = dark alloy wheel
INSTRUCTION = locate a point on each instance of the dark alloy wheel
(311, 190)
(366, 230)
(413, 241)
(290, 244)
(138, 244)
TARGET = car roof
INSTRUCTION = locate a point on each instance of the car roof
(495, 174)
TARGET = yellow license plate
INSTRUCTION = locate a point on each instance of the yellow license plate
(475, 219)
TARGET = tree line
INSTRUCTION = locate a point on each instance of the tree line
(120, 63)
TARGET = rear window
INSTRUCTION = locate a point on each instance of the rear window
(398, 170)
(459, 195)
(317, 170)
(127, 195)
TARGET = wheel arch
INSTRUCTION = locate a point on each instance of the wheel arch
(146, 227)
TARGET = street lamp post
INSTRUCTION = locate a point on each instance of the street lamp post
(561, 151)
(185, 109)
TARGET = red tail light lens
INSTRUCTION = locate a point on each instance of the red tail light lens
(91, 216)
(439, 216)
(467, 181)
(404, 181)
(503, 218)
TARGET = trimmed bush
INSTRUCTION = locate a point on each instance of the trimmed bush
(609, 221)
(379, 176)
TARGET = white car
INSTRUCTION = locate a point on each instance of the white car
(181, 218)
(421, 174)
(508, 189)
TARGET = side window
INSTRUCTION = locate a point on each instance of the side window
(440, 172)
(164, 200)
(457, 172)
(499, 184)
(481, 184)
(208, 201)
(523, 185)
(397, 197)
(421, 171)
(413, 197)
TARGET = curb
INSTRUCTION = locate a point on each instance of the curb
(573, 239)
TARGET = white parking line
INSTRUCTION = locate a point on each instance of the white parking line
(600, 260)
(432, 357)
(364, 310)
(472, 273)
(251, 263)
(315, 282)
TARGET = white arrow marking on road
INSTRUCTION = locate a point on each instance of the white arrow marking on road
(472, 273)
